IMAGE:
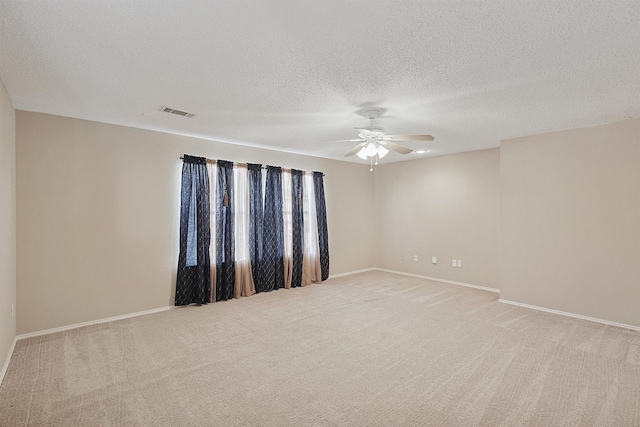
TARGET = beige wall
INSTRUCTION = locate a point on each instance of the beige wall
(7, 223)
(571, 221)
(448, 207)
(97, 218)
(98, 214)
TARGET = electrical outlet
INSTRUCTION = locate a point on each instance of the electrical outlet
(459, 263)
(401, 257)
(434, 260)
(415, 257)
(454, 263)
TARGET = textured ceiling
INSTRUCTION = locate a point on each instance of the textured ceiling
(292, 74)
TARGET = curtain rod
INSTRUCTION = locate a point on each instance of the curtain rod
(213, 161)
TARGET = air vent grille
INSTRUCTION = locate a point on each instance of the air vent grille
(177, 112)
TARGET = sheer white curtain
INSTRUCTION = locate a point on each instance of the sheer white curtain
(244, 285)
(212, 169)
(287, 214)
(311, 272)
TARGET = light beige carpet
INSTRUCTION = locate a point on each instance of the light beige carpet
(373, 349)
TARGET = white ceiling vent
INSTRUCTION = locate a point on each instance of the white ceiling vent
(178, 112)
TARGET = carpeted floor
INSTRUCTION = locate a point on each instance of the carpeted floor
(372, 349)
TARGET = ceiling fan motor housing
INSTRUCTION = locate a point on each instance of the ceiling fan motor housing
(371, 132)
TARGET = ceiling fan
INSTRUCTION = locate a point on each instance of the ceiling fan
(374, 143)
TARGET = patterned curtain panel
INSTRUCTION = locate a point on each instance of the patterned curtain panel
(225, 242)
(256, 218)
(321, 214)
(272, 276)
(297, 226)
(193, 283)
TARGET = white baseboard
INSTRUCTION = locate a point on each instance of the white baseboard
(92, 322)
(564, 313)
(349, 273)
(7, 360)
(436, 279)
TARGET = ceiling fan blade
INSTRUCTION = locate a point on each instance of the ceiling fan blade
(354, 150)
(411, 137)
(340, 140)
(395, 147)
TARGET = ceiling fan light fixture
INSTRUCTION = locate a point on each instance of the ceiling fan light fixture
(362, 154)
(420, 151)
(371, 149)
(382, 151)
